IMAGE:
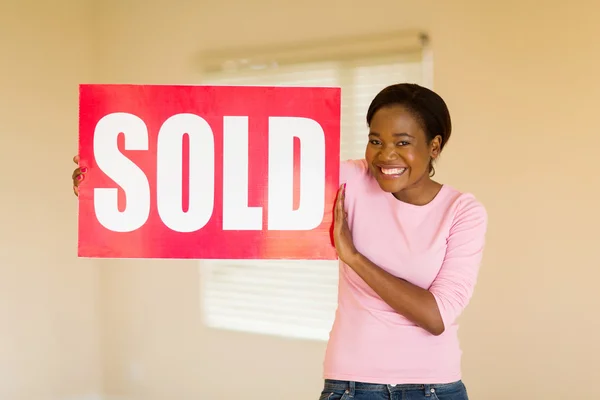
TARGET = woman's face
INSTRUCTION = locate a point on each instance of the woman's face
(398, 152)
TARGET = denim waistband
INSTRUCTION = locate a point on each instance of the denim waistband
(351, 387)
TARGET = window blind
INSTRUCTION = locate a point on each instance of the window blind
(298, 298)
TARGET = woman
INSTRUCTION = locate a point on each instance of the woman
(409, 249)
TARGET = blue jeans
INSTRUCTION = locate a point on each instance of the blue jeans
(342, 390)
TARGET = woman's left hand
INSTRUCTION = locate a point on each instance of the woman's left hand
(342, 237)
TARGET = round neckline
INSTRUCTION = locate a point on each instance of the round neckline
(435, 199)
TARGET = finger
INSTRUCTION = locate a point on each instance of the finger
(76, 159)
(78, 179)
(341, 201)
(78, 174)
(340, 197)
(339, 205)
(76, 191)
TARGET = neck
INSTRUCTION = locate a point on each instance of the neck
(420, 193)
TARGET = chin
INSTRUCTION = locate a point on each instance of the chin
(391, 187)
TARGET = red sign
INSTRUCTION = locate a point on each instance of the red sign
(208, 172)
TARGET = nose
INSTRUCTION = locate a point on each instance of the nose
(388, 154)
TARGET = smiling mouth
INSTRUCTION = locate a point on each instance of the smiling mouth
(391, 172)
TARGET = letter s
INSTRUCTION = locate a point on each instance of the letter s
(123, 171)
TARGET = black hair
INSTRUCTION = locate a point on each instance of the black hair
(425, 105)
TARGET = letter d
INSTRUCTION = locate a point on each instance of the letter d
(281, 213)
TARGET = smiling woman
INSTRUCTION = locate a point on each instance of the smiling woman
(410, 250)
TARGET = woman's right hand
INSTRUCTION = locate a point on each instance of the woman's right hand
(78, 176)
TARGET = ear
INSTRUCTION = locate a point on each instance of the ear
(435, 147)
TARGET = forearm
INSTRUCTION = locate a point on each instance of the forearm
(414, 303)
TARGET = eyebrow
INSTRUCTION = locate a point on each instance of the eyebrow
(404, 134)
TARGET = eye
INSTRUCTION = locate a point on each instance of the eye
(403, 143)
(374, 142)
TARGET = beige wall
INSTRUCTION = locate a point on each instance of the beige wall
(49, 300)
(521, 82)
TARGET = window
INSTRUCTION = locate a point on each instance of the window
(298, 298)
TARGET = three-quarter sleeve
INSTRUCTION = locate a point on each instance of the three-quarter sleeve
(455, 282)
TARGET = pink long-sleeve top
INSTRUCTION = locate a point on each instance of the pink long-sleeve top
(437, 247)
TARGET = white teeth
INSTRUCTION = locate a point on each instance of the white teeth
(393, 171)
